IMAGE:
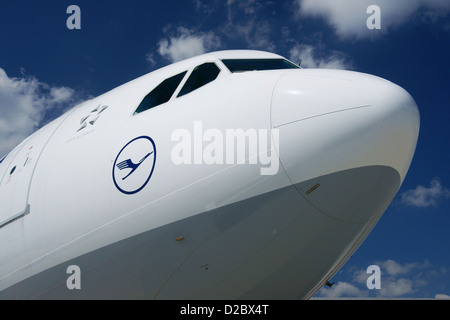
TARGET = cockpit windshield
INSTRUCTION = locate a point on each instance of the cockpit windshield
(242, 65)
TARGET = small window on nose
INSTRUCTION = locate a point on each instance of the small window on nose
(243, 65)
(161, 94)
(202, 75)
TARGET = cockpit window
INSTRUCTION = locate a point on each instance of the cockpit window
(202, 74)
(161, 94)
(242, 65)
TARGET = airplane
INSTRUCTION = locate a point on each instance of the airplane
(234, 174)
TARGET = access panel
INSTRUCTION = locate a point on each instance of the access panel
(17, 171)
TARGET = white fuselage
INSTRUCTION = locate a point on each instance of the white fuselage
(119, 195)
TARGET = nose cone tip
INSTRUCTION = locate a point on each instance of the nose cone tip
(386, 94)
(399, 125)
(341, 120)
(346, 140)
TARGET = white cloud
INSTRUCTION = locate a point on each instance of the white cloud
(255, 33)
(186, 43)
(407, 279)
(310, 59)
(441, 296)
(342, 289)
(396, 287)
(391, 285)
(245, 21)
(348, 17)
(60, 95)
(248, 7)
(150, 57)
(425, 197)
(393, 268)
(398, 280)
(206, 7)
(24, 102)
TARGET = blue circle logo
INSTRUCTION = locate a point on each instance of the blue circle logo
(134, 165)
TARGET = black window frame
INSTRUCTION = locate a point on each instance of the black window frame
(195, 80)
(258, 64)
(155, 98)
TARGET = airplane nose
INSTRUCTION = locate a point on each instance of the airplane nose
(343, 136)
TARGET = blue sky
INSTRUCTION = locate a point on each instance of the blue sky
(45, 68)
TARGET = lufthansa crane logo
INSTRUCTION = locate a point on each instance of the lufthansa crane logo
(134, 165)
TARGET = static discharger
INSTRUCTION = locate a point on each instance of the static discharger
(313, 188)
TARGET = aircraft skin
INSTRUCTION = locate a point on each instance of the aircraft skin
(98, 187)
